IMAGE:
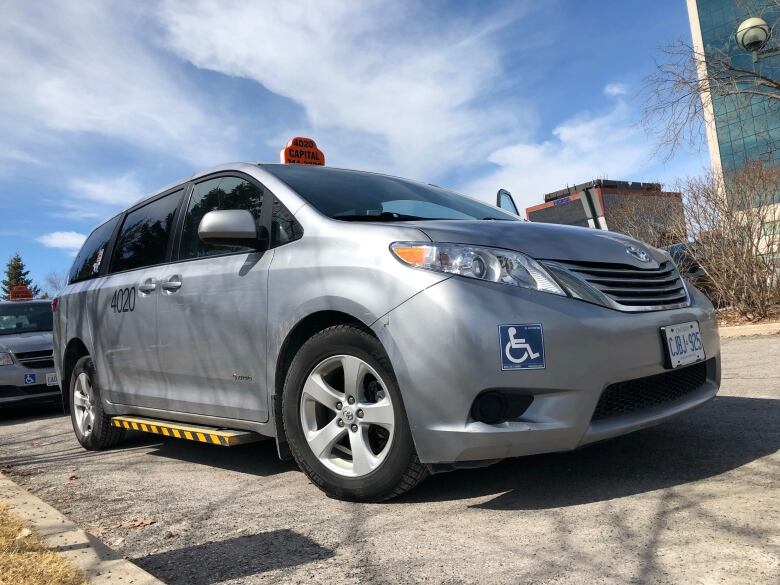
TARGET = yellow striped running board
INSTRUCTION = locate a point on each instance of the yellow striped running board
(212, 435)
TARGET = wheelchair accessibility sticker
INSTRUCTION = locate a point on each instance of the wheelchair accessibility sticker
(29, 379)
(522, 347)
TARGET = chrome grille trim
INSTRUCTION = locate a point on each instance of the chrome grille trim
(36, 359)
(627, 288)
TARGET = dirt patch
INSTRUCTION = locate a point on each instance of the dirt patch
(25, 559)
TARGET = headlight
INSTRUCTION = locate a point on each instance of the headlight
(481, 263)
(5, 359)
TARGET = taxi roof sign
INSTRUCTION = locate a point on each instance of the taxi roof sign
(20, 293)
(302, 151)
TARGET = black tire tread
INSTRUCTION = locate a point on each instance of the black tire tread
(104, 435)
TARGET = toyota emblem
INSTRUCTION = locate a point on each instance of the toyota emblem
(638, 253)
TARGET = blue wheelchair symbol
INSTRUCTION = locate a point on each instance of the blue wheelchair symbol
(29, 378)
(522, 347)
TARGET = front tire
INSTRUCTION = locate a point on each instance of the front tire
(344, 418)
(92, 426)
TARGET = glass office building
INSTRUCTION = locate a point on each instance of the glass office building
(739, 128)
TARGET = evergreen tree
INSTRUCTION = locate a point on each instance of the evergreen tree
(16, 274)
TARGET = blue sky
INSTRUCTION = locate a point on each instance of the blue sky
(104, 102)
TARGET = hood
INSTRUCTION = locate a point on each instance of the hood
(22, 342)
(544, 241)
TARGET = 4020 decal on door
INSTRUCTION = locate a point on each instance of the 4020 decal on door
(123, 300)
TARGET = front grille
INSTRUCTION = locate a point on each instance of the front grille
(641, 393)
(631, 288)
(36, 359)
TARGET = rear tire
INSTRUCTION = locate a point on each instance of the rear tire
(388, 465)
(90, 423)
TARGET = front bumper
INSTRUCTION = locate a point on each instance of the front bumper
(444, 347)
(20, 384)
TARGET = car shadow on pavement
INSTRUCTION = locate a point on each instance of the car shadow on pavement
(725, 434)
(253, 458)
(233, 558)
(19, 413)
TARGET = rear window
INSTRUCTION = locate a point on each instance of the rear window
(25, 318)
(143, 239)
(359, 196)
(95, 249)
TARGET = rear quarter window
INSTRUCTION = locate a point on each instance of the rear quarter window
(93, 253)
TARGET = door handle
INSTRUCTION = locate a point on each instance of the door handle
(148, 286)
(172, 284)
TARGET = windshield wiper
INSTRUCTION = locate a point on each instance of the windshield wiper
(384, 216)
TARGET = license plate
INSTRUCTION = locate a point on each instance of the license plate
(683, 343)
(51, 380)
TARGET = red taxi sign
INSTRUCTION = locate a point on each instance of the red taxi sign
(20, 293)
(302, 151)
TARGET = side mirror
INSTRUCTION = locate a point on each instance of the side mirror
(505, 201)
(232, 227)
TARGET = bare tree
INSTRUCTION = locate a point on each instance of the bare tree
(732, 216)
(686, 84)
(54, 283)
(735, 224)
(655, 219)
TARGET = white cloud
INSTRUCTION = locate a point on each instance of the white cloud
(581, 149)
(115, 191)
(69, 241)
(96, 198)
(383, 85)
(615, 89)
(87, 68)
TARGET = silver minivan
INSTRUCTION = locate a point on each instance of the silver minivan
(379, 329)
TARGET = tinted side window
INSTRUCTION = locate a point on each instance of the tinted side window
(90, 258)
(144, 236)
(213, 195)
(284, 227)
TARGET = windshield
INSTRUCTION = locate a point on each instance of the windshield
(359, 196)
(24, 318)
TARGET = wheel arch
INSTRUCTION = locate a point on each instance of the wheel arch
(74, 351)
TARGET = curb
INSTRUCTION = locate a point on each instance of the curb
(100, 564)
(746, 330)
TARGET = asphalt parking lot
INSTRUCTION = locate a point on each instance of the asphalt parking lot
(691, 501)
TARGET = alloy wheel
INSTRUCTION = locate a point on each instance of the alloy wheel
(84, 405)
(347, 416)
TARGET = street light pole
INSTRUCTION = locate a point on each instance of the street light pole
(764, 54)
